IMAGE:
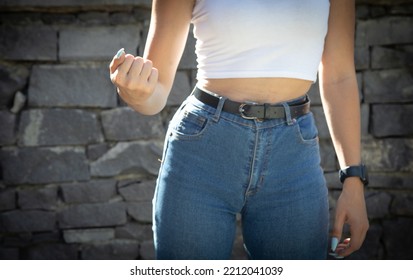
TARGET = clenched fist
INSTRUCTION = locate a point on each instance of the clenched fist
(134, 77)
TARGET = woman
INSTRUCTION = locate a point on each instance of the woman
(245, 141)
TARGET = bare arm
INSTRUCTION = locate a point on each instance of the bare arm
(144, 83)
(340, 98)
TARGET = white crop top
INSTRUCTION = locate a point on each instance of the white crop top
(259, 38)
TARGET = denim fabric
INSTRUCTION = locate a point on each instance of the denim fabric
(216, 164)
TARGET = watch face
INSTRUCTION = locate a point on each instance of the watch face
(342, 176)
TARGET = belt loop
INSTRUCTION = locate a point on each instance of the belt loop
(218, 111)
(288, 113)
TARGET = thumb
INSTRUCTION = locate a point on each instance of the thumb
(117, 60)
(337, 231)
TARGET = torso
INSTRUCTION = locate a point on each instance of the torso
(260, 90)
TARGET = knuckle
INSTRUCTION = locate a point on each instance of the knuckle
(139, 60)
(148, 63)
(128, 58)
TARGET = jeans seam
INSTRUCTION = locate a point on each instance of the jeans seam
(252, 166)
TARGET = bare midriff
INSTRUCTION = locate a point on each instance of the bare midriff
(260, 90)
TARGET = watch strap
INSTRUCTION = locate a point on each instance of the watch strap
(354, 171)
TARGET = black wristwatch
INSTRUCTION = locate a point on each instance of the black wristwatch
(354, 171)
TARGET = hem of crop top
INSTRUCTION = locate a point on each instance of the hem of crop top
(201, 75)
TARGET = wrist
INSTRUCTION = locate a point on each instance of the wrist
(148, 104)
(353, 184)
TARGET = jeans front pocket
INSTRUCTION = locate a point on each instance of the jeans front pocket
(188, 123)
(306, 129)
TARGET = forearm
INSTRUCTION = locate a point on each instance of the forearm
(341, 105)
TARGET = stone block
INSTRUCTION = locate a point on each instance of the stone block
(378, 204)
(391, 180)
(140, 211)
(17, 240)
(147, 250)
(125, 18)
(392, 120)
(41, 198)
(71, 86)
(362, 58)
(124, 123)
(180, 90)
(136, 231)
(396, 238)
(365, 120)
(388, 155)
(377, 11)
(95, 151)
(332, 180)
(388, 86)
(46, 237)
(129, 157)
(387, 57)
(19, 102)
(58, 18)
(52, 127)
(12, 79)
(53, 252)
(401, 9)
(113, 250)
(92, 215)
(44, 165)
(362, 11)
(88, 235)
(28, 43)
(93, 18)
(402, 205)
(28, 221)
(97, 42)
(7, 128)
(89, 192)
(9, 254)
(138, 191)
(7, 199)
(384, 31)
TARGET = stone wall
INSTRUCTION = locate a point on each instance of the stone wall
(78, 167)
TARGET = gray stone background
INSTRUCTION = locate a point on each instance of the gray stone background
(78, 167)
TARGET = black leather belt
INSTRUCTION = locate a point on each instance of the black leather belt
(254, 111)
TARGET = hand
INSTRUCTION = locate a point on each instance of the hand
(134, 77)
(350, 209)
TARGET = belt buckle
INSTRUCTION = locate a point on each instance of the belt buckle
(242, 110)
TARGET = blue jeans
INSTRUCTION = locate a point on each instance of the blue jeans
(216, 164)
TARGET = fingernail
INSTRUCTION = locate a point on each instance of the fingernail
(334, 243)
(120, 52)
